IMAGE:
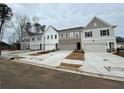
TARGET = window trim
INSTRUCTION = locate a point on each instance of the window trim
(55, 36)
(47, 37)
(33, 39)
(88, 34)
(105, 32)
(66, 35)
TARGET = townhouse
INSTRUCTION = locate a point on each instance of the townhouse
(70, 39)
(96, 36)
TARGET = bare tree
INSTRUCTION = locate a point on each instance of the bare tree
(19, 24)
(35, 19)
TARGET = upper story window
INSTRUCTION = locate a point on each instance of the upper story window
(33, 39)
(39, 38)
(77, 34)
(71, 34)
(22, 39)
(51, 36)
(55, 36)
(95, 24)
(88, 34)
(104, 32)
(26, 39)
(48, 37)
(66, 35)
(61, 35)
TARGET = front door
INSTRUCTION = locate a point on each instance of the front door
(111, 46)
(40, 46)
(56, 46)
(78, 46)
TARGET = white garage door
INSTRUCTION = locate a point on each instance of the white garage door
(67, 47)
(50, 47)
(98, 47)
(35, 47)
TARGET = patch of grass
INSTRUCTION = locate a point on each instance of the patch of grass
(76, 55)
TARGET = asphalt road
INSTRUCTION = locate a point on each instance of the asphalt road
(15, 75)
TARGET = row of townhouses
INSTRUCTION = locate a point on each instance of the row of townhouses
(96, 36)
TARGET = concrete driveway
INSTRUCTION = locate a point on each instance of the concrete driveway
(104, 64)
(51, 59)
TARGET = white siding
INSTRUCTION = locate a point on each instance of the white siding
(35, 45)
(97, 39)
(50, 43)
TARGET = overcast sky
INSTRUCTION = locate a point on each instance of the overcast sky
(71, 15)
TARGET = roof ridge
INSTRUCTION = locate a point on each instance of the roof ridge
(71, 28)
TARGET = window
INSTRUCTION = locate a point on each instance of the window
(51, 36)
(77, 34)
(38, 38)
(94, 24)
(104, 32)
(61, 35)
(55, 36)
(71, 34)
(108, 32)
(88, 34)
(33, 39)
(66, 35)
(48, 37)
(26, 39)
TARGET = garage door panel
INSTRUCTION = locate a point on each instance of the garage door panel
(100, 47)
(67, 47)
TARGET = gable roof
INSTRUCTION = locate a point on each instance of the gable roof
(74, 28)
(51, 27)
(101, 24)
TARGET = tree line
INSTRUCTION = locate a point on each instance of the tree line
(17, 23)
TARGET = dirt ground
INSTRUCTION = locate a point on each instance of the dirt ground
(70, 65)
(15, 75)
(76, 56)
(121, 53)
